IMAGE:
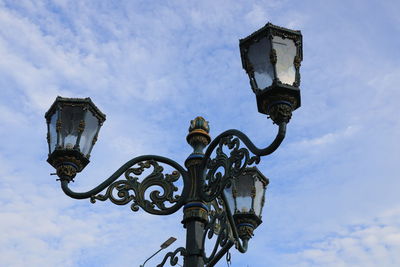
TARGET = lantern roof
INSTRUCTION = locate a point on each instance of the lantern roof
(274, 30)
(76, 101)
(254, 171)
(270, 28)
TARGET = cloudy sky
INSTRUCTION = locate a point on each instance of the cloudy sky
(151, 67)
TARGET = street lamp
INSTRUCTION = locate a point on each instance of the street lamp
(72, 128)
(164, 245)
(246, 197)
(271, 57)
(223, 192)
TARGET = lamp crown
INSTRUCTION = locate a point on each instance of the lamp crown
(199, 123)
(198, 136)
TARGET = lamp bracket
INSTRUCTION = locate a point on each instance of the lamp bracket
(280, 111)
(232, 158)
(218, 226)
(142, 193)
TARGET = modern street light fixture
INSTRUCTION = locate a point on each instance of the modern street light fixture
(164, 245)
(221, 191)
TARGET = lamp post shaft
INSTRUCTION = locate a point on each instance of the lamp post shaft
(194, 246)
(195, 216)
(195, 212)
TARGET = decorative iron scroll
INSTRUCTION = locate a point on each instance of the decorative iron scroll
(218, 226)
(173, 257)
(224, 166)
(233, 164)
(122, 192)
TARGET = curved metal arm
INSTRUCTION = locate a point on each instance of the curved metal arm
(173, 257)
(220, 169)
(220, 254)
(156, 178)
(221, 223)
(242, 247)
(217, 225)
(249, 144)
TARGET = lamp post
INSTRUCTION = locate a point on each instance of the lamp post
(223, 192)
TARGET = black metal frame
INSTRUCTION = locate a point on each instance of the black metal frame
(206, 210)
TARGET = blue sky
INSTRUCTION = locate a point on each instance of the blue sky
(152, 66)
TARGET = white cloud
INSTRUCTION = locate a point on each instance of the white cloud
(154, 66)
(372, 243)
(256, 16)
(329, 138)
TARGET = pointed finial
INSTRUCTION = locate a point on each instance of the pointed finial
(198, 136)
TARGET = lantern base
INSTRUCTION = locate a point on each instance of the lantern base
(277, 93)
(67, 162)
(66, 172)
(280, 111)
(245, 224)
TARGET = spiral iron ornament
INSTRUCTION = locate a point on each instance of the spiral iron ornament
(131, 190)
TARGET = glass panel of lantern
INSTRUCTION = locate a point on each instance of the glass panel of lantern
(52, 132)
(246, 194)
(259, 198)
(229, 197)
(72, 124)
(260, 65)
(285, 53)
(243, 187)
(92, 126)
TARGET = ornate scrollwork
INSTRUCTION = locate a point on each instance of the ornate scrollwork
(67, 172)
(225, 166)
(219, 226)
(281, 112)
(122, 192)
(173, 257)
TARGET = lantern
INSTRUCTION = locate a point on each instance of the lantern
(73, 125)
(246, 197)
(271, 57)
